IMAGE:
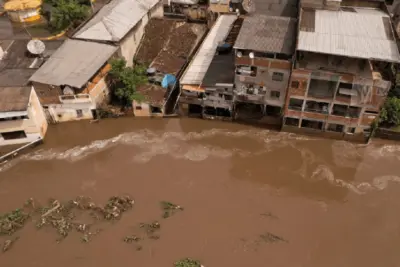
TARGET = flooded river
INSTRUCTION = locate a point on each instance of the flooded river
(323, 202)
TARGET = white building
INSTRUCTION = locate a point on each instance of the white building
(22, 119)
(121, 22)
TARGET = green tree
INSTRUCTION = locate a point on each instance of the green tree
(67, 13)
(126, 80)
(390, 114)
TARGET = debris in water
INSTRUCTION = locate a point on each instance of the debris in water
(269, 215)
(8, 243)
(13, 221)
(151, 229)
(131, 238)
(188, 262)
(271, 238)
(139, 248)
(169, 208)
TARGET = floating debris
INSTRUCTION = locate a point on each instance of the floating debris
(131, 238)
(188, 262)
(269, 215)
(271, 238)
(151, 229)
(169, 208)
(8, 243)
(12, 222)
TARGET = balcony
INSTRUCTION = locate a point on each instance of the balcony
(316, 110)
(74, 99)
(322, 89)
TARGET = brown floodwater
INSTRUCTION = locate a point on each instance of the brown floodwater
(333, 203)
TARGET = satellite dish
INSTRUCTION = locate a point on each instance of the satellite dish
(36, 47)
(239, 54)
(251, 55)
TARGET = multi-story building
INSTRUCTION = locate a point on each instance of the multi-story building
(219, 80)
(264, 57)
(345, 51)
(191, 90)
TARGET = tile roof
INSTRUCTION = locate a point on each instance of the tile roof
(267, 34)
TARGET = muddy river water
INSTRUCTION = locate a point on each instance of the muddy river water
(331, 203)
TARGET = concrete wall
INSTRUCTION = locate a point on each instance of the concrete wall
(69, 112)
(265, 69)
(34, 127)
(130, 43)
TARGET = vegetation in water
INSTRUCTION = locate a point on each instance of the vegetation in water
(126, 80)
(169, 208)
(12, 221)
(188, 262)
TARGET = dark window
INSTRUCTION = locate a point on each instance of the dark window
(277, 76)
(295, 104)
(79, 113)
(321, 88)
(282, 56)
(228, 97)
(138, 107)
(333, 127)
(295, 84)
(155, 109)
(371, 112)
(275, 94)
(317, 125)
(319, 107)
(273, 111)
(292, 122)
(25, 117)
(351, 130)
(13, 135)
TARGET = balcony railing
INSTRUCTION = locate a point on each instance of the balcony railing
(80, 98)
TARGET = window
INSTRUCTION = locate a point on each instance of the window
(13, 135)
(273, 111)
(333, 127)
(317, 125)
(228, 97)
(138, 107)
(295, 84)
(351, 130)
(277, 76)
(292, 122)
(295, 104)
(79, 113)
(25, 117)
(275, 94)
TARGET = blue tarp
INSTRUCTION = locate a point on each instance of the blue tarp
(168, 79)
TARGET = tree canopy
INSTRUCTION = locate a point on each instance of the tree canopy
(390, 114)
(66, 13)
(127, 80)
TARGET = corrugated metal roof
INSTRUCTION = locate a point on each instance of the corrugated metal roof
(115, 20)
(267, 34)
(74, 63)
(196, 70)
(364, 33)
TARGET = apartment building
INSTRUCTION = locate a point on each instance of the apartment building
(344, 54)
(264, 58)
